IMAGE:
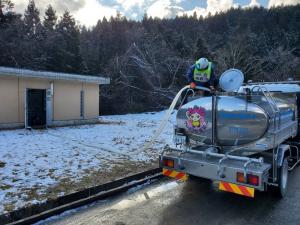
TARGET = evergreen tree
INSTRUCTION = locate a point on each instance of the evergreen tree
(32, 18)
(195, 16)
(33, 38)
(70, 60)
(52, 45)
(50, 19)
(11, 36)
(6, 12)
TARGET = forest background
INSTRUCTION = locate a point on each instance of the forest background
(147, 60)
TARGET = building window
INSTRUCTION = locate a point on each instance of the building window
(82, 104)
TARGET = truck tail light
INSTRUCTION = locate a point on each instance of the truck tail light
(250, 179)
(169, 163)
(240, 177)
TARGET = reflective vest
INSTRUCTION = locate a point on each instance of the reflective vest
(202, 75)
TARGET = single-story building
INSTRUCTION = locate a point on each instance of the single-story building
(40, 99)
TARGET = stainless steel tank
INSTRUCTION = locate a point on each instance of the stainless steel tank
(252, 121)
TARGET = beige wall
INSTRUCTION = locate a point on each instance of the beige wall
(9, 100)
(68, 94)
(91, 101)
(66, 99)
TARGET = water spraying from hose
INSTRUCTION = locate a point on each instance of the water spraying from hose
(165, 119)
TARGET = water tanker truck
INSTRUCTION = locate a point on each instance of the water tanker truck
(245, 137)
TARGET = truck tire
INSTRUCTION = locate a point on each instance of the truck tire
(283, 173)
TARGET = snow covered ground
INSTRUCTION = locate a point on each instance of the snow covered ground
(31, 162)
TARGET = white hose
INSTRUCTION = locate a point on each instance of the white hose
(165, 120)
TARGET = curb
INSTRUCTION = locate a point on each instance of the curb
(51, 207)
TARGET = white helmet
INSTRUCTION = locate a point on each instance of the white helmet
(202, 64)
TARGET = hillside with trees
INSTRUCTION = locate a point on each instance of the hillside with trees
(147, 60)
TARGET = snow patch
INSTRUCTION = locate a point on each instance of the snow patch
(38, 159)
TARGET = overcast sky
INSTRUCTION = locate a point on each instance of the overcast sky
(88, 12)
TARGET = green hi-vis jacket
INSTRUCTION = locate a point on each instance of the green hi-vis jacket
(203, 75)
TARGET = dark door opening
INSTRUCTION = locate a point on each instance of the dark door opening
(36, 108)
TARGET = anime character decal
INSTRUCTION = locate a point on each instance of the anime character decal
(196, 119)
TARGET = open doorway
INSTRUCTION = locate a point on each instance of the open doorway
(36, 108)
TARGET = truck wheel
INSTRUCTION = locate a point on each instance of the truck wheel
(283, 173)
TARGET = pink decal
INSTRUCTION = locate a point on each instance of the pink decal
(196, 119)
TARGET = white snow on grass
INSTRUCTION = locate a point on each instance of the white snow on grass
(38, 159)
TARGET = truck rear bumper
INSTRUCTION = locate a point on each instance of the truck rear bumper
(216, 168)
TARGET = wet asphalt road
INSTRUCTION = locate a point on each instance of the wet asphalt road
(192, 203)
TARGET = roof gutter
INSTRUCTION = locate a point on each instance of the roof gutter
(6, 71)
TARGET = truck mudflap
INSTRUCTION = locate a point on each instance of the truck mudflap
(238, 174)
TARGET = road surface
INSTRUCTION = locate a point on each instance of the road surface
(192, 203)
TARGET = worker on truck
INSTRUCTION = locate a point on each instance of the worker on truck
(202, 74)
